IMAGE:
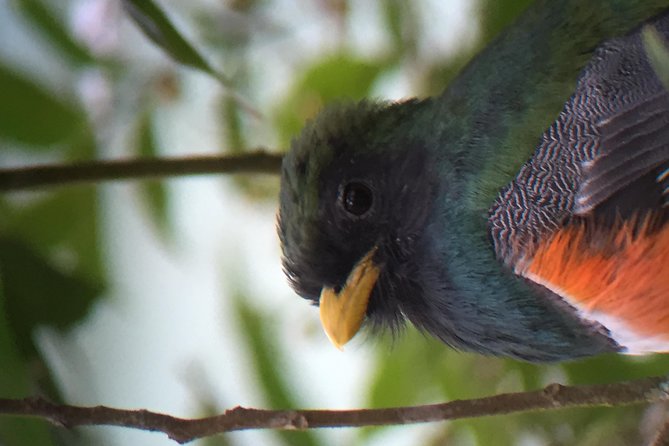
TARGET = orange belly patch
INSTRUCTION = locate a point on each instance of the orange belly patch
(616, 277)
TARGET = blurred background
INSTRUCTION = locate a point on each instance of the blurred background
(169, 295)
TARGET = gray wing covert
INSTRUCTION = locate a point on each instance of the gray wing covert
(633, 144)
(606, 154)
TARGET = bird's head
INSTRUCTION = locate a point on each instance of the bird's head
(357, 188)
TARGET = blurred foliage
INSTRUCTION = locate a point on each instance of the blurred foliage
(658, 52)
(52, 269)
(25, 106)
(267, 355)
(153, 191)
(151, 19)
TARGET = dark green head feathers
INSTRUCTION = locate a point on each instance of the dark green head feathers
(344, 192)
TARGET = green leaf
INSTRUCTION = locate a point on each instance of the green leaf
(37, 293)
(401, 23)
(421, 370)
(50, 260)
(63, 224)
(400, 370)
(157, 26)
(154, 192)
(30, 115)
(267, 358)
(235, 139)
(658, 53)
(15, 382)
(333, 78)
(53, 30)
(613, 368)
(254, 187)
(498, 14)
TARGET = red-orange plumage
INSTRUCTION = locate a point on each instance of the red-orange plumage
(621, 273)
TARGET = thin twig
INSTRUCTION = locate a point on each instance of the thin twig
(108, 170)
(552, 397)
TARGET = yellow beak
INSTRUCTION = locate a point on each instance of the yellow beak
(342, 313)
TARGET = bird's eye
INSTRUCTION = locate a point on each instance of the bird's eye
(357, 198)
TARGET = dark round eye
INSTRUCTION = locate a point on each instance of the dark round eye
(357, 198)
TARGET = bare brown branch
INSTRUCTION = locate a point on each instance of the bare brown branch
(552, 397)
(95, 171)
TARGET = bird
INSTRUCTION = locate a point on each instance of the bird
(523, 212)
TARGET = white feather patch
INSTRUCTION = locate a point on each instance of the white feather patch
(632, 342)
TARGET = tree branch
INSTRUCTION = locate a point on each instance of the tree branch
(95, 171)
(554, 396)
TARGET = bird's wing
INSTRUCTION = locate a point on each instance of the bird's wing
(606, 154)
(588, 215)
(610, 258)
(629, 173)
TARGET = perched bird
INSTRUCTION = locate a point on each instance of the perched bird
(523, 212)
